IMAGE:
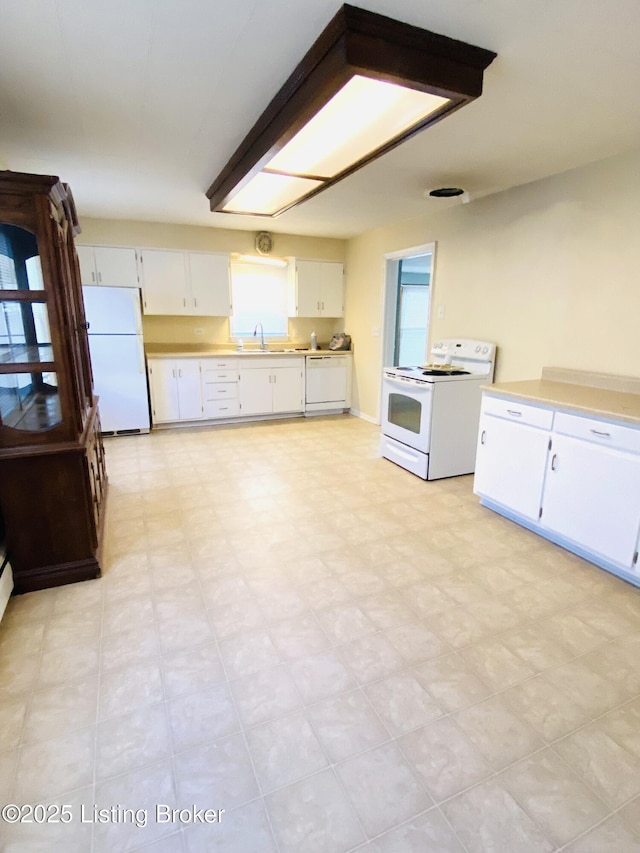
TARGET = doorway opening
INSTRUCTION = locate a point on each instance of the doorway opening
(408, 285)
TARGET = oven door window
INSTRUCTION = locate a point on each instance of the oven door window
(405, 412)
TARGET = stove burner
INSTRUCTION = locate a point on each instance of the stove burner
(434, 371)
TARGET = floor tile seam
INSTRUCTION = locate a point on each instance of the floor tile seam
(595, 826)
(330, 764)
(493, 777)
(503, 693)
(596, 719)
(559, 845)
(433, 808)
(532, 624)
(242, 732)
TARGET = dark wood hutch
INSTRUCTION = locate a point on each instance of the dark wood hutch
(52, 470)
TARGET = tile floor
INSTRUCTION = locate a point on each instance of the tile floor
(341, 656)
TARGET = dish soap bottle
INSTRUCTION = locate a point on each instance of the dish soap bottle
(314, 340)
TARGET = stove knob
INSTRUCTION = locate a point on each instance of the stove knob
(478, 348)
(485, 350)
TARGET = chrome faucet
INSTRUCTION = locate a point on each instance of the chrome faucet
(255, 331)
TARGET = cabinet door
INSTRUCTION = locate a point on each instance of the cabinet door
(254, 391)
(209, 276)
(164, 281)
(163, 384)
(332, 290)
(308, 288)
(87, 261)
(189, 389)
(116, 267)
(592, 496)
(510, 465)
(287, 389)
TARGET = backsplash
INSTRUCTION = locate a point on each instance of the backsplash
(215, 330)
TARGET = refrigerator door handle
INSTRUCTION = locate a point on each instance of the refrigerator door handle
(140, 354)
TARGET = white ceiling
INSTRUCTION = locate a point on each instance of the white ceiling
(138, 104)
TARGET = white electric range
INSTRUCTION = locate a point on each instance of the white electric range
(430, 413)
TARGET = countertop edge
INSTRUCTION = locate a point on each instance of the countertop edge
(620, 406)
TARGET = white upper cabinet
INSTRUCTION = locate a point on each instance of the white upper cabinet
(109, 266)
(164, 276)
(210, 280)
(186, 283)
(316, 288)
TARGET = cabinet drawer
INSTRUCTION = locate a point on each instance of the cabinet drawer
(221, 409)
(220, 391)
(219, 364)
(514, 410)
(220, 375)
(604, 433)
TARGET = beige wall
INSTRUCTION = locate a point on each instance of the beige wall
(181, 330)
(549, 271)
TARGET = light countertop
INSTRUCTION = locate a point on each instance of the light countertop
(612, 397)
(162, 352)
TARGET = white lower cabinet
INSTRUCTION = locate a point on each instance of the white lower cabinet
(592, 497)
(572, 478)
(175, 388)
(268, 387)
(511, 458)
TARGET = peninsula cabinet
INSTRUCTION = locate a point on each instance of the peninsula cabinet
(108, 266)
(512, 454)
(52, 467)
(567, 476)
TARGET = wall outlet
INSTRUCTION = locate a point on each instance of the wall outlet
(198, 331)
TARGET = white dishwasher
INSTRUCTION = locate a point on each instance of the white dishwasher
(327, 383)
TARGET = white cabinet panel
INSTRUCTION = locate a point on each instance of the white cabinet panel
(275, 387)
(510, 464)
(176, 393)
(109, 266)
(287, 389)
(210, 282)
(316, 288)
(87, 261)
(255, 391)
(592, 496)
(189, 389)
(164, 281)
(164, 390)
(332, 291)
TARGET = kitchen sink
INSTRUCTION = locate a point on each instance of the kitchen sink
(269, 351)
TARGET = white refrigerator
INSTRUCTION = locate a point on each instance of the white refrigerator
(117, 357)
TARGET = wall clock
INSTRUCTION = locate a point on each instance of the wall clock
(264, 243)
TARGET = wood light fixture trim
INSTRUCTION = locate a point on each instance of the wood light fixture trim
(355, 42)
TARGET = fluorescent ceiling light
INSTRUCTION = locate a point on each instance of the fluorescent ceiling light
(363, 116)
(266, 194)
(367, 83)
(259, 259)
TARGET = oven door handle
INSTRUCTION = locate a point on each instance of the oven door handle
(402, 382)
